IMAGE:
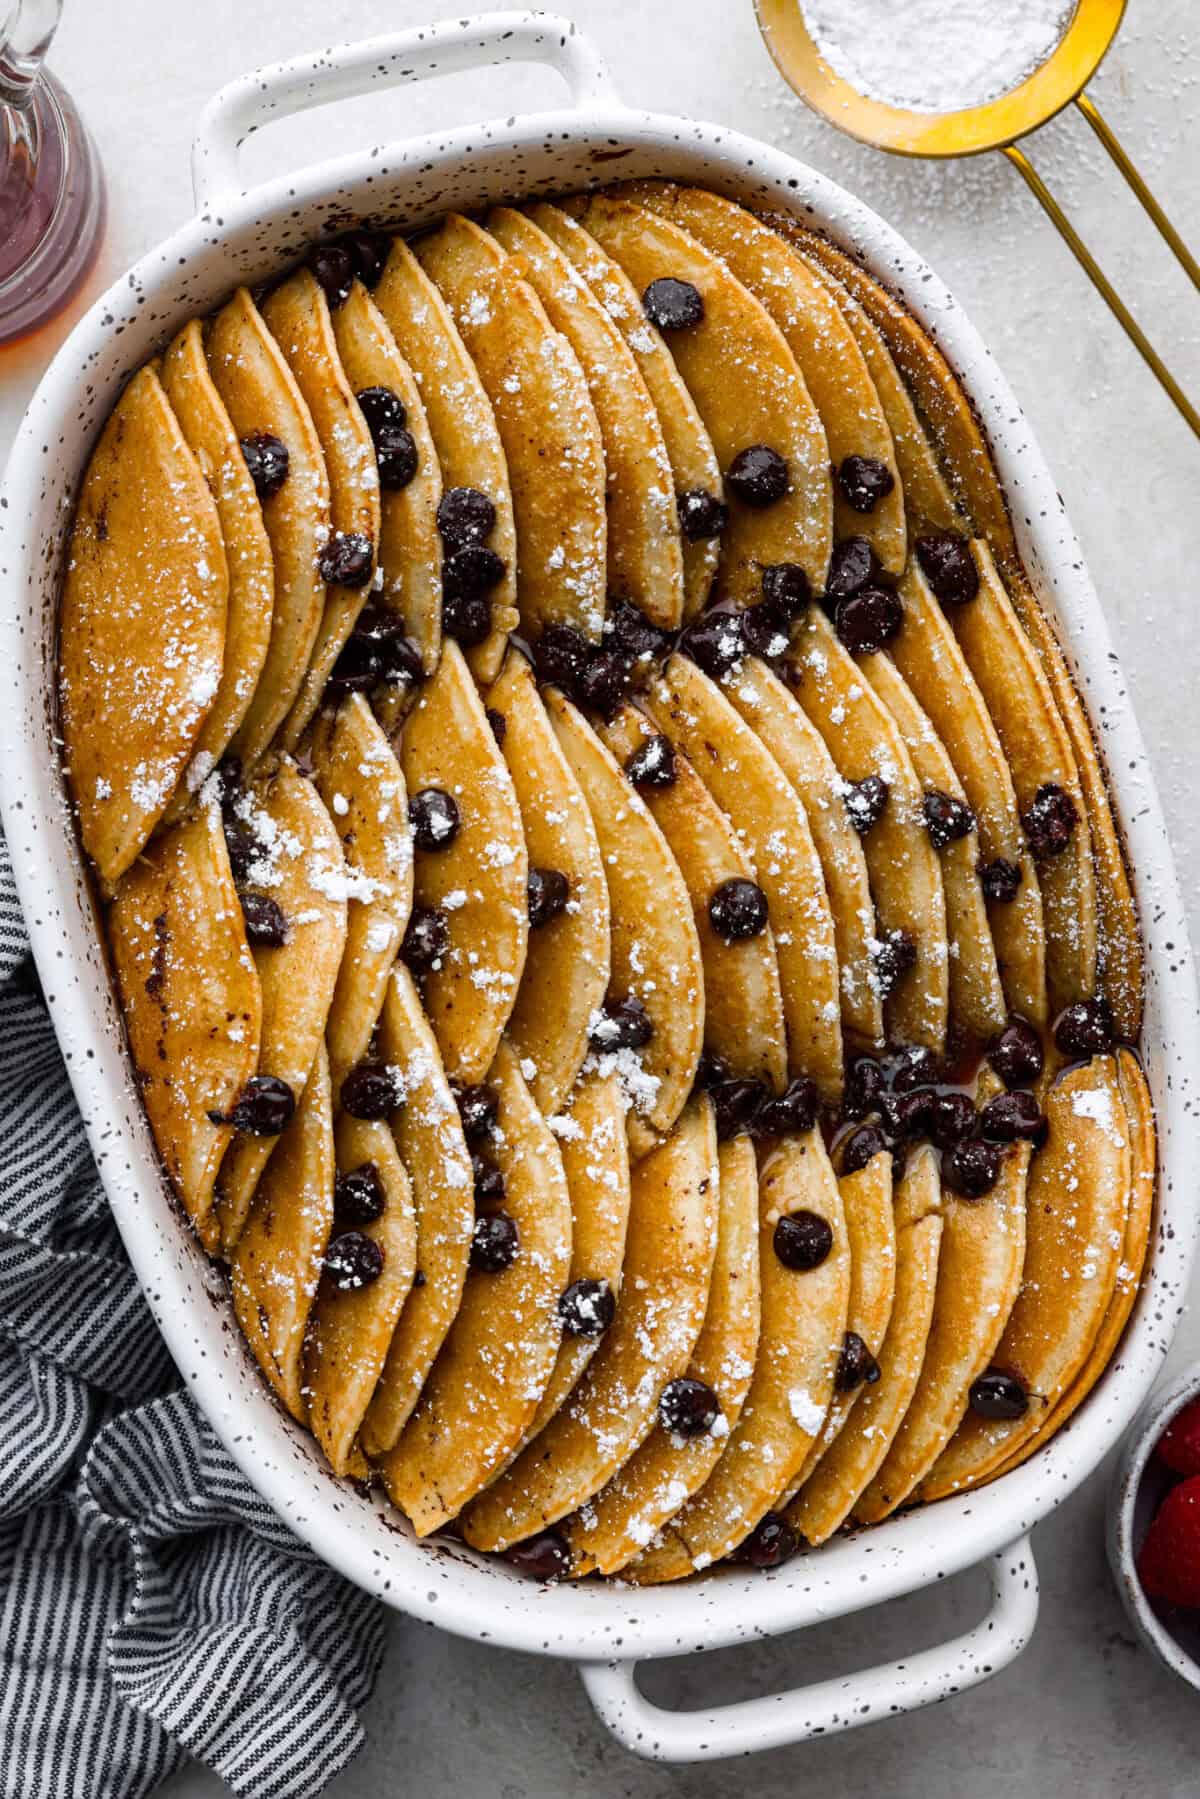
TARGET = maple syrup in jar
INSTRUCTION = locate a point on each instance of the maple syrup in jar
(51, 186)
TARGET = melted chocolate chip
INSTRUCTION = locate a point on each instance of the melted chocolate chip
(735, 1105)
(620, 1024)
(1016, 1055)
(478, 1110)
(863, 481)
(396, 457)
(865, 802)
(498, 723)
(771, 1543)
(916, 1066)
(426, 940)
(971, 1168)
(865, 1083)
(1049, 824)
(489, 1182)
(701, 515)
(547, 892)
(353, 1261)
(347, 560)
(434, 817)
(1012, 1118)
(855, 1365)
(544, 1557)
(262, 1109)
(266, 457)
(562, 654)
(766, 629)
(853, 566)
(652, 764)
(949, 567)
(951, 1119)
(358, 1196)
(998, 1395)
(802, 1240)
(243, 847)
(266, 925)
(605, 682)
(495, 1242)
(861, 1147)
(737, 909)
(688, 1408)
(1085, 1029)
(895, 954)
(909, 1115)
(715, 642)
(947, 819)
(1000, 880)
(631, 634)
(369, 251)
(466, 617)
(465, 515)
(333, 267)
(377, 651)
(758, 476)
(868, 620)
(712, 1070)
(369, 1090)
(472, 570)
(381, 406)
(673, 305)
(587, 1308)
(793, 1110)
(785, 585)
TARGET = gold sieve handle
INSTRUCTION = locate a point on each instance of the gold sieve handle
(1091, 267)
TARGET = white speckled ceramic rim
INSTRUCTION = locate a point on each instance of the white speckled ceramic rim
(1136, 1451)
(246, 236)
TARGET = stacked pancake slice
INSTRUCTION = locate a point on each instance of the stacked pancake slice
(622, 937)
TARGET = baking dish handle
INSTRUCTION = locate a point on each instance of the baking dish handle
(831, 1705)
(394, 60)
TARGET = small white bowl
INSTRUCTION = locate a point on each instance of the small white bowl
(1139, 1486)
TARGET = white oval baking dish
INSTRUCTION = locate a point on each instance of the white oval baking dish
(239, 235)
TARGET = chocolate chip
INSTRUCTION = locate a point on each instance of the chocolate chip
(547, 891)
(478, 1110)
(465, 516)
(688, 1408)
(735, 1105)
(381, 406)
(434, 816)
(916, 1066)
(631, 634)
(949, 567)
(864, 481)
(652, 764)
(1085, 1029)
(908, 1116)
(997, 1395)
(701, 515)
(737, 909)
(266, 926)
(620, 1024)
(865, 802)
(358, 1196)
(868, 620)
(353, 1261)
(971, 1168)
(802, 1240)
(951, 1119)
(348, 560)
(1012, 1118)
(855, 1365)
(673, 305)
(262, 1108)
(853, 566)
(1000, 880)
(426, 940)
(498, 723)
(758, 476)
(267, 459)
(947, 819)
(766, 629)
(243, 847)
(562, 654)
(495, 1242)
(895, 954)
(466, 617)
(544, 1557)
(785, 585)
(1049, 824)
(861, 1147)
(604, 682)
(865, 1083)
(712, 1070)
(1016, 1055)
(587, 1308)
(333, 267)
(715, 642)
(369, 1090)
(793, 1110)
(369, 251)
(771, 1543)
(396, 457)
(376, 651)
(489, 1182)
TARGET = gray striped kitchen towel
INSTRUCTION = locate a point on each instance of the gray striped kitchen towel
(152, 1607)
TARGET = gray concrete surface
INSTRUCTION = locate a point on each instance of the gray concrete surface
(1083, 1708)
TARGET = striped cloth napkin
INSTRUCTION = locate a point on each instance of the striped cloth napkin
(152, 1607)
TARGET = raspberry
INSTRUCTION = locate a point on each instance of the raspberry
(1168, 1563)
(1179, 1445)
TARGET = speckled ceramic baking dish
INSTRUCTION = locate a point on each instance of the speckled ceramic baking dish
(240, 235)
